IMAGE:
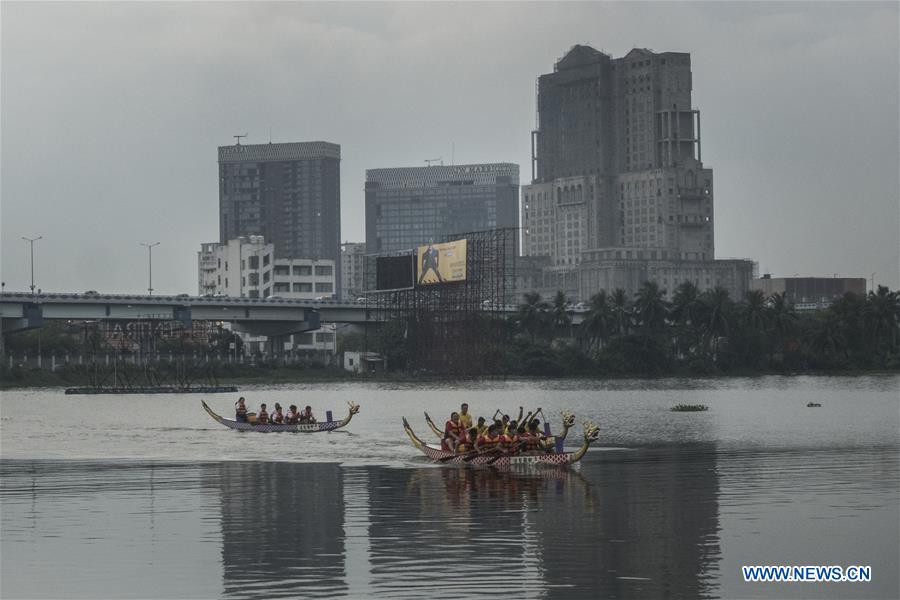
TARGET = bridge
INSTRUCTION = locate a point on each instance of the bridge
(268, 317)
(276, 316)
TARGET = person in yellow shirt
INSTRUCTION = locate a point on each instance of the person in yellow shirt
(482, 426)
(465, 418)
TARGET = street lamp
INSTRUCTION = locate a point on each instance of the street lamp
(31, 242)
(150, 265)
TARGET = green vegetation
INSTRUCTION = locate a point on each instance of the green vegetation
(704, 334)
(694, 334)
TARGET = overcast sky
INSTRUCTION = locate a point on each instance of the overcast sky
(111, 116)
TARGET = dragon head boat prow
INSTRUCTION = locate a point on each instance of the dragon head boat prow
(591, 435)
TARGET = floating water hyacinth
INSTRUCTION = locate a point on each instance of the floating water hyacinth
(689, 407)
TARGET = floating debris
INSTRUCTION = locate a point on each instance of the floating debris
(689, 408)
(813, 405)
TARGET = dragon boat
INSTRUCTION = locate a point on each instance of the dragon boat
(501, 460)
(550, 441)
(292, 428)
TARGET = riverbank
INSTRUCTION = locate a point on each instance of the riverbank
(264, 375)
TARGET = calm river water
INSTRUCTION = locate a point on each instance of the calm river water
(146, 496)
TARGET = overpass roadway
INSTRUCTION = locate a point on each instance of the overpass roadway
(276, 316)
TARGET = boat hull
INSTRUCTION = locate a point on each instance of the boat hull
(275, 427)
(436, 454)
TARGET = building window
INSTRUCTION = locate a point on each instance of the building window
(325, 287)
(303, 287)
(266, 258)
(253, 262)
(280, 270)
(324, 270)
(266, 276)
(282, 287)
(302, 270)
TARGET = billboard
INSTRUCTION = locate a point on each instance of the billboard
(441, 263)
(394, 272)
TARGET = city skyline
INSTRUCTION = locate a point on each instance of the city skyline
(799, 101)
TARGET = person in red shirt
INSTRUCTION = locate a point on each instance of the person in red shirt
(454, 432)
(263, 417)
(278, 417)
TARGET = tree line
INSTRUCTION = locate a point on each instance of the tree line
(704, 332)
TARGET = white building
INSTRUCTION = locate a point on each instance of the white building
(246, 267)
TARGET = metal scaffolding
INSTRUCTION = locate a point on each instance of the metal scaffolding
(456, 328)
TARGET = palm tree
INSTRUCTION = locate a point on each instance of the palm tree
(754, 311)
(650, 306)
(783, 319)
(533, 314)
(882, 318)
(621, 311)
(559, 315)
(685, 313)
(718, 318)
(598, 322)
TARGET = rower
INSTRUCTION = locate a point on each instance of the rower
(263, 417)
(293, 417)
(488, 440)
(240, 411)
(482, 426)
(453, 433)
(306, 416)
(278, 417)
(510, 441)
(464, 417)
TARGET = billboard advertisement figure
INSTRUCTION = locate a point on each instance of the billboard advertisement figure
(431, 259)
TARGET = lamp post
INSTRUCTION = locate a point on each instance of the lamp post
(150, 265)
(31, 242)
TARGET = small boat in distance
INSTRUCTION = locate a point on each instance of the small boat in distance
(502, 460)
(291, 428)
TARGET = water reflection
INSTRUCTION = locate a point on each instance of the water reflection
(282, 529)
(669, 521)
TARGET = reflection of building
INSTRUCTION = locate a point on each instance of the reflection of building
(616, 171)
(810, 292)
(282, 528)
(353, 258)
(289, 193)
(247, 267)
(406, 207)
(649, 531)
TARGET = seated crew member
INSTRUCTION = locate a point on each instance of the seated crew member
(481, 427)
(452, 433)
(464, 416)
(510, 441)
(532, 437)
(467, 441)
(263, 417)
(505, 422)
(306, 416)
(278, 417)
(240, 411)
(293, 417)
(488, 440)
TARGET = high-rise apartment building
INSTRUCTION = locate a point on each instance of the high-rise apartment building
(409, 206)
(616, 168)
(353, 261)
(289, 193)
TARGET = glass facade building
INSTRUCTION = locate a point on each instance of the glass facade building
(407, 207)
